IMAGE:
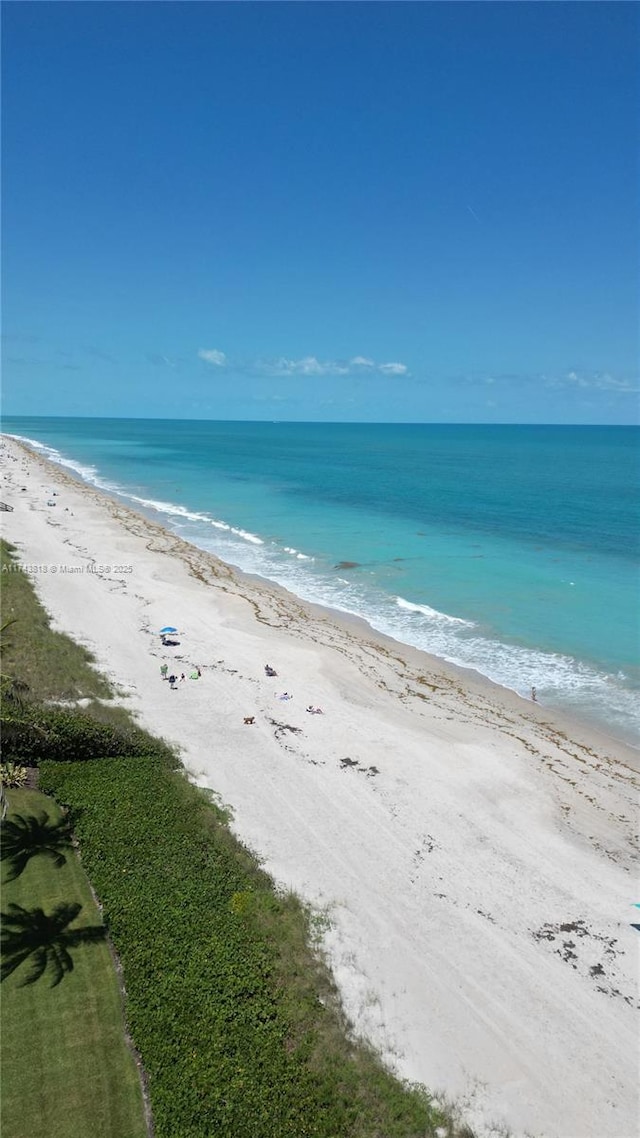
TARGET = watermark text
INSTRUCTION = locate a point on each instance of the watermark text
(33, 569)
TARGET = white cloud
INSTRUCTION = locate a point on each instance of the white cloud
(577, 380)
(213, 356)
(284, 366)
(393, 369)
(308, 365)
(595, 381)
(605, 382)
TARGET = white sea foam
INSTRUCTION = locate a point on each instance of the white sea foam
(561, 681)
(432, 614)
(88, 473)
(179, 511)
(171, 509)
(166, 508)
(175, 511)
(246, 536)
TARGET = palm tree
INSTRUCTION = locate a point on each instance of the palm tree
(47, 939)
(23, 838)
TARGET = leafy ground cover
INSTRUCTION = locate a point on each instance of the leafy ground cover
(50, 664)
(237, 1021)
(66, 1070)
(44, 674)
(236, 1018)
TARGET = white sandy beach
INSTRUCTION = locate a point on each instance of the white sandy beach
(476, 855)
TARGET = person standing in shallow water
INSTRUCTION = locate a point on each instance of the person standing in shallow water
(534, 695)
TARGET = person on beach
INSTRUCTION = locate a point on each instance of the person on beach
(164, 668)
(182, 678)
(534, 695)
(172, 682)
(195, 675)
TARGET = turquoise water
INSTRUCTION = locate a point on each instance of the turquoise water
(512, 550)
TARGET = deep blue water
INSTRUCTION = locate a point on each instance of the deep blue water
(512, 550)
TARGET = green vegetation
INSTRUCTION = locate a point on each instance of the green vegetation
(237, 1021)
(52, 666)
(12, 774)
(66, 1069)
(42, 669)
(70, 735)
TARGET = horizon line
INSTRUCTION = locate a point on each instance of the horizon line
(312, 422)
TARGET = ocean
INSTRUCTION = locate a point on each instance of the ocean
(512, 550)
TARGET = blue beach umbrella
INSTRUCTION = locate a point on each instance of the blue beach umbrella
(167, 629)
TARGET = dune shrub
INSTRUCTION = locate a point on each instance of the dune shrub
(235, 1041)
(68, 735)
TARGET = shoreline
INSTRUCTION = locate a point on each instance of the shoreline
(450, 827)
(565, 720)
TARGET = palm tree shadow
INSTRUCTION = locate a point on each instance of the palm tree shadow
(45, 939)
(26, 837)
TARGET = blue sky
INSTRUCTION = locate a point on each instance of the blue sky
(322, 211)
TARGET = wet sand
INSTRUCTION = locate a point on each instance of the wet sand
(475, 855)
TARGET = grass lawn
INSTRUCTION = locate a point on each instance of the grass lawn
(238, 1023)
(66, 1069)
(237, 1020)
